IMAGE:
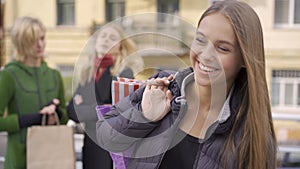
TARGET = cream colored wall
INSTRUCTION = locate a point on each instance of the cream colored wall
(10, 12)
(64, 43)
(85, 11)
(88, 11)
(139, 6)
(281, 44)
(191, 10)
(45, 10)
(134, 7)
(278, 41)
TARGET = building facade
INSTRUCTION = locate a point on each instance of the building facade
(70, 22)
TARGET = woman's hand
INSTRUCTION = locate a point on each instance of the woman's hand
(156, 99)
(50, 110)
(78, 99)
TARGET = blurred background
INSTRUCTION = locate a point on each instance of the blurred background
(70, 23)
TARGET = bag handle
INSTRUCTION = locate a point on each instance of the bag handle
(55, 116)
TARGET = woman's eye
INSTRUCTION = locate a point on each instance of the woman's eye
(224, 49)
(112, 37)
(200, 41)
(103, 35)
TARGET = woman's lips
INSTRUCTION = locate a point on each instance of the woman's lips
(205, 68)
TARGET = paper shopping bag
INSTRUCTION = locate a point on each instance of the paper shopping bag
(122, 87)
(50, 147)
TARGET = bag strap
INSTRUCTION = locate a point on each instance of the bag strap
(55, 116)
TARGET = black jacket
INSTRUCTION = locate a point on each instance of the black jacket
(125, 129)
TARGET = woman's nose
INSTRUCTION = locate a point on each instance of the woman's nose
(209, 53)
(106, 39)
(40, 43)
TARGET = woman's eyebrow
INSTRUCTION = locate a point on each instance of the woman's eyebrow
(226, 42)
(220, 41)
(200, 33)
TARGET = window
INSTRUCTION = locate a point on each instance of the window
(167, 6)
(287, 13)
(286, 88)
(114, 9)
(65, 12)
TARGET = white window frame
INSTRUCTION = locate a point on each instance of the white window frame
(110, 12)
(291, 16)
(68, 21)
(282, 81)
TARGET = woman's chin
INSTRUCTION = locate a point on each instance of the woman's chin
(201, 81)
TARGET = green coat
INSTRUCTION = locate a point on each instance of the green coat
(25, 90)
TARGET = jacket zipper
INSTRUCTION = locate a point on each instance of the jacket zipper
(38, 86)
(39, 98)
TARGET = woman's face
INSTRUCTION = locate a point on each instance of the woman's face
(38, 47)
(108, 42)
(215, 51)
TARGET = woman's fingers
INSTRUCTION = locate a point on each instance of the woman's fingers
(153, 87)
(169, 95)
(160, 83)
(163, 81)
(55, 101)
(48, 109)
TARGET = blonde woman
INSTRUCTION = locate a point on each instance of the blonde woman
(213, 115)
(113, 55)
(28, 89)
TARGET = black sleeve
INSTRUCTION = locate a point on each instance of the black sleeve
(30, 119)
(57, 109)
(71, 111)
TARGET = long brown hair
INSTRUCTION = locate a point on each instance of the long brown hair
(257, 146)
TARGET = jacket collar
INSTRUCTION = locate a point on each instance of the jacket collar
(27, 69)
(227, 115)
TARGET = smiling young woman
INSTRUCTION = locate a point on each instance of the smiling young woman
(213, 115)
